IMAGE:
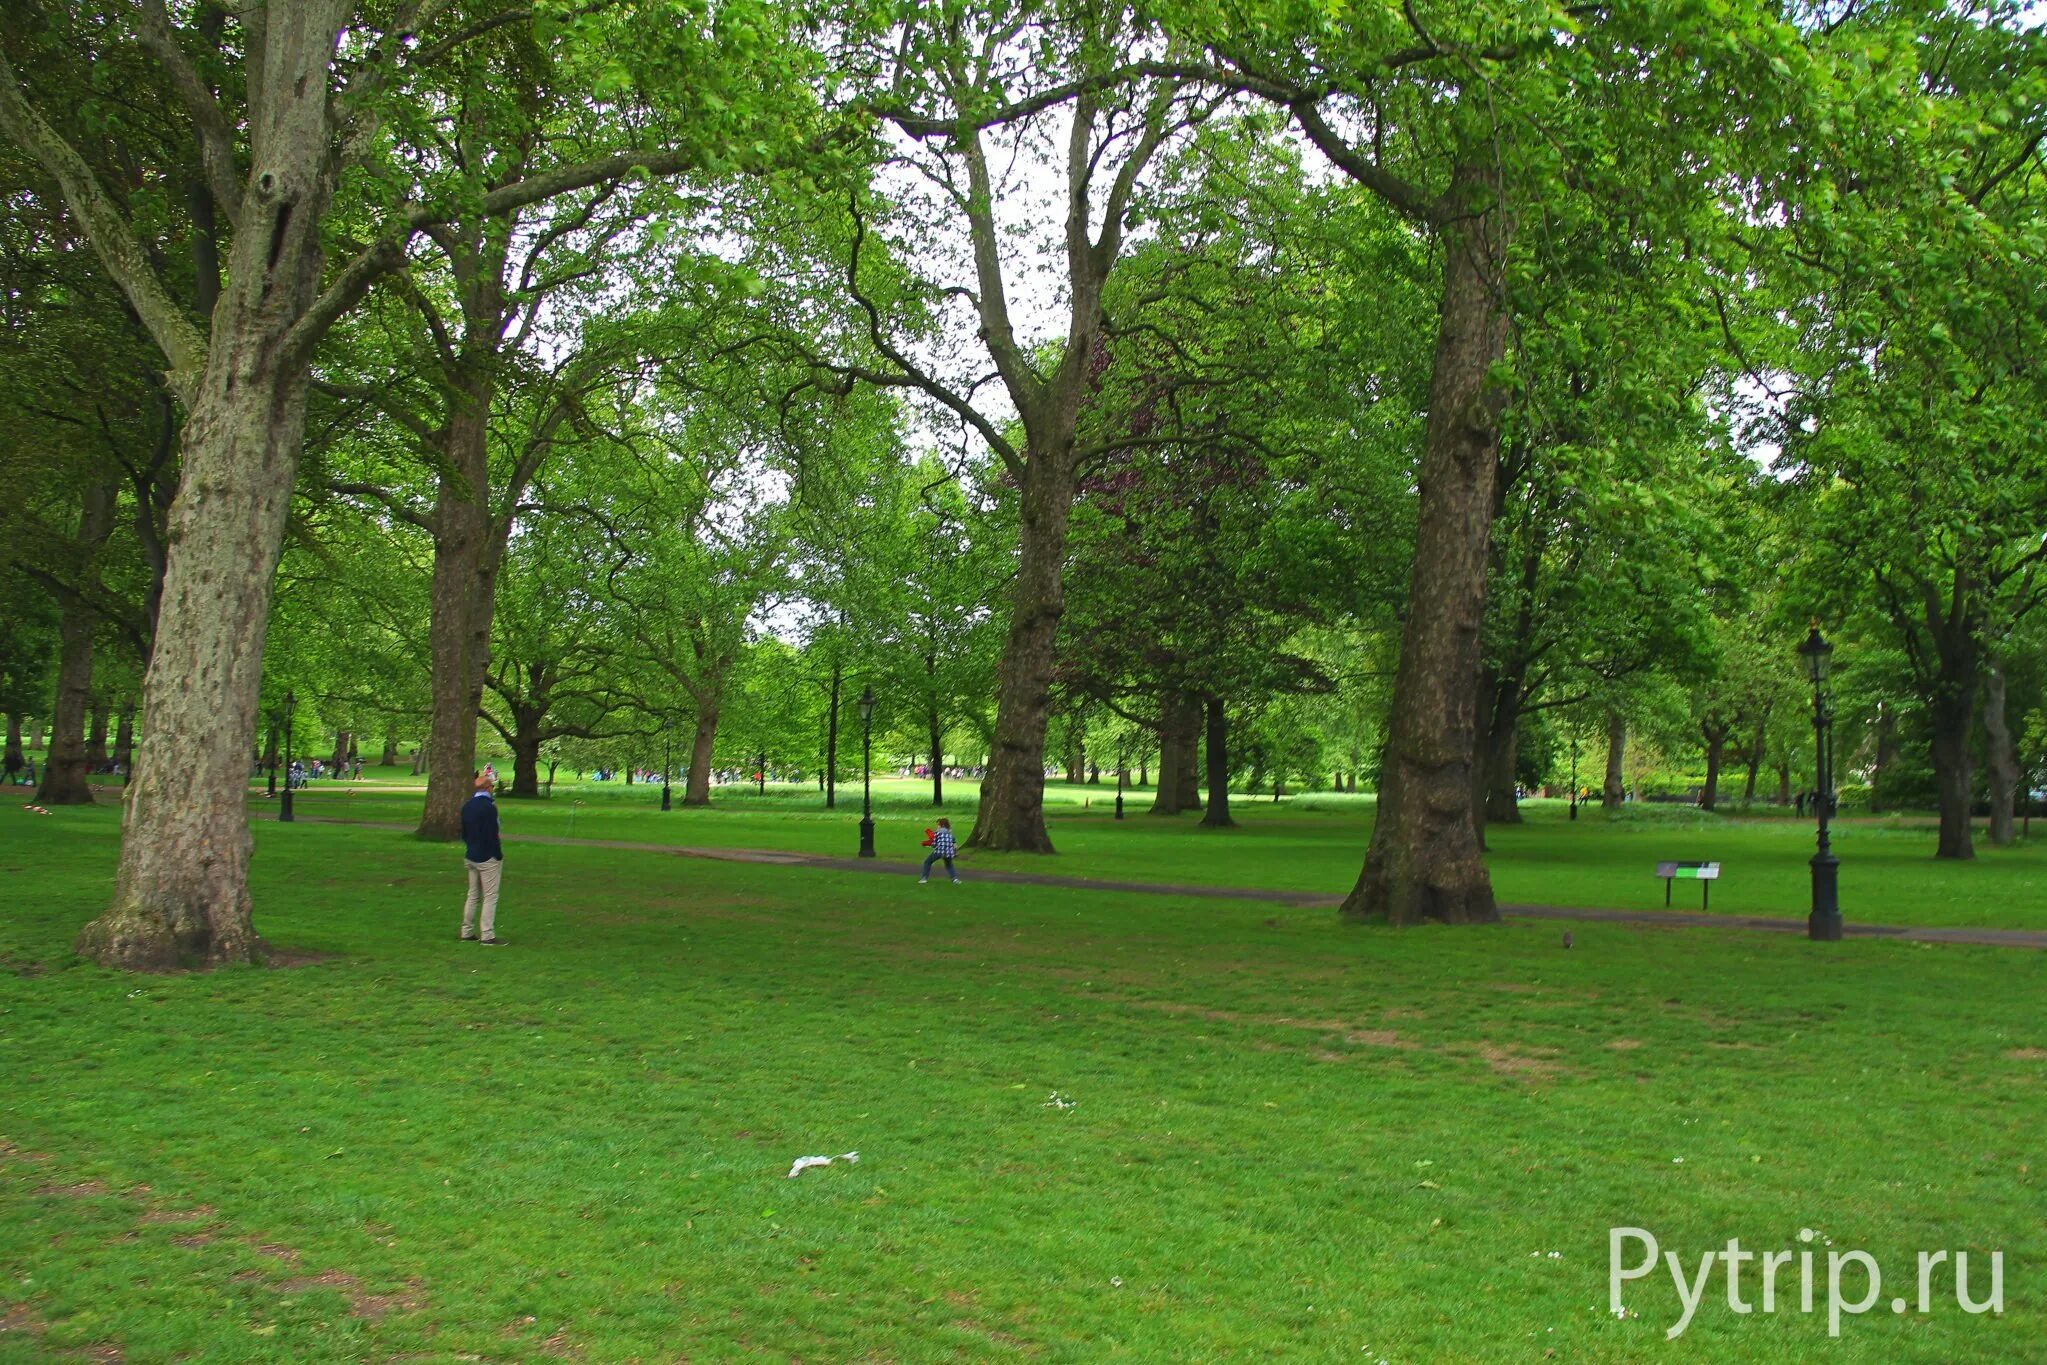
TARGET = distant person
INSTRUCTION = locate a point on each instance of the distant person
(942, 846)
(485, 858)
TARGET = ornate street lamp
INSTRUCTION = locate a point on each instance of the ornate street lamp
(290, 704)
(667, 756)
(1574, 777)
(1824, 924)
(866, 772)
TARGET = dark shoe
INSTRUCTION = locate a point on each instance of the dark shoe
(469, 938)
(491, 942)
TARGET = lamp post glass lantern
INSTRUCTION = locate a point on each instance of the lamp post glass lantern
(284, 809)
(667, 756)
(867, 772)
(1824, 923)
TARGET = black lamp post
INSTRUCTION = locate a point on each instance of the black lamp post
(1825, 921)
(1574, 777)
(290, 704)
(667, 756)
(866, 772)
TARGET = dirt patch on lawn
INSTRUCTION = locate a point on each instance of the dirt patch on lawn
(84, 1189)
(2026, 1054)
(1527, 1064)
(20, 1322)
(1624, 1044)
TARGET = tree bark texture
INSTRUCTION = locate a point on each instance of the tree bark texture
(1954, 721)
(67, 763)
(1424, 862)
(1615, 793)
(96, 755)
(124, 738)
(16, 758)
(1011, 816)
(831, 739)
(697, 790)
(1217, 816)
(1715, 735)
(1179, 716)
(2001, 758)
(182, 891)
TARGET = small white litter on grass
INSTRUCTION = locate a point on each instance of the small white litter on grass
(804, 1163)
(1058, 1101)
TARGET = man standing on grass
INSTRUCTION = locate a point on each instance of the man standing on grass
(485, 858)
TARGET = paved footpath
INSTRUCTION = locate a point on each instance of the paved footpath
(1680, 919)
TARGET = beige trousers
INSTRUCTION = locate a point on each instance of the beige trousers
(483, 885)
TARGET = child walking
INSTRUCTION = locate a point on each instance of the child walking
(941, 847)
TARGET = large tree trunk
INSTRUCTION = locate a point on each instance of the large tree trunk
(1217, 816)
(1178, 715)
(1615, 792)
(341, 743)
(936, 725)
(1011, 816)
(124, 738)
(1954, 720)
(1716, 750)
(2001, 763)
(96, 756)
(526, 751)
(389, 758)
(464, 588)
(1424, 862)
(68, 762)
(697, 790)
(182, 891)
(16, 759)
(1502, 756)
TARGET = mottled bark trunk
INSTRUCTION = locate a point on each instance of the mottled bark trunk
(935, 726)
(1011, 816)
(96, 756)
(68, 760)
(419, 760)
(2001, 758)
(124, 738)
(16, 759)
(182, 892)
(464, 585)
(1217, 816)
(389, 758)
(1424, 862)
(1615, 792)
(697, 790)
(342, 739)
(1502, 759)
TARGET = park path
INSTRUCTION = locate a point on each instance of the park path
(1313, 900)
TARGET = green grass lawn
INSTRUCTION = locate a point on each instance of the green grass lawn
(1317, 843)
(1288, 1138)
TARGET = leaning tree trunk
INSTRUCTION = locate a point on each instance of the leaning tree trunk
(464, 586)
(96, 757)
(182, 891)
(67, 761)
(2001, 763)
(1954, 720)
(1615, 792)
(124, 738)
(697, 789)
(1011, 817)
(1217, 816)
(1424, 862)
